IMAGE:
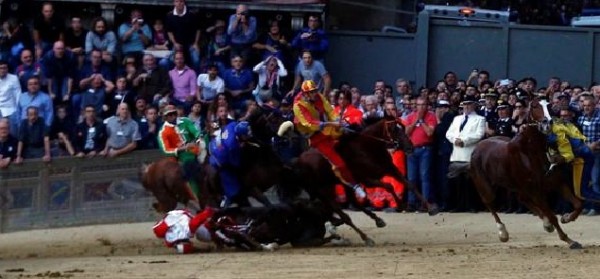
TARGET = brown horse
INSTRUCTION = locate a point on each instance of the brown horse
(521, 165)
(366, 155)
(164, 179)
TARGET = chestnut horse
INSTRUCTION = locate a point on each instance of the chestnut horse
(522, 166)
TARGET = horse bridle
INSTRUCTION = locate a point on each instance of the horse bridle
(386, 133)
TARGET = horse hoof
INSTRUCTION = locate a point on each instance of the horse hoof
(549, 228)
(380, 223)
(433, 210)
(503, 238)
(566, 218)
(575, 245)
(369, 242)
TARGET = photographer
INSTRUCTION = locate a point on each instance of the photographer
(135, 35)
(312, 38)
(242, 30)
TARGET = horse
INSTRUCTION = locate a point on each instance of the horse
(301, 224)
(164, 179)
(366, 155)
(521, 165)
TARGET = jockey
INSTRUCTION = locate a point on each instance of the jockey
(314, 118)
(225, 152)
(572, 149)
(180, 138)
(178, 227)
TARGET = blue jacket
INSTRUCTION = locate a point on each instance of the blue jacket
(225, 147)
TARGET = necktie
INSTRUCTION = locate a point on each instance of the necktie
(462, 125)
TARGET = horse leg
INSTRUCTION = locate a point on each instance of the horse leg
(548, 213)
(432, 208)
(375, 183)
(575, 201)
(346, 219)
(487, 193)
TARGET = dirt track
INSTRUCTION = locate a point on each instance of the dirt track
(411, 246)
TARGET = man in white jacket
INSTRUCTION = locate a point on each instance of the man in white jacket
(464, 133)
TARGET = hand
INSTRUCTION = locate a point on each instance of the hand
(459, 143)
(52, 95)
(91, 154)
(105, 107)
(271, 49)
(103, 153)
(112, 153)
(305, 35)
(473, 74)
(283, 41)
(79, 155)
(46, 158)
(19, 160)
(66, 97)
(143, 76)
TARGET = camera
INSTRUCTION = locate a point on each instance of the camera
(244, 13)
(139, 20)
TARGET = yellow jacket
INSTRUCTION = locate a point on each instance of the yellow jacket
(309, 116)
(564, 132)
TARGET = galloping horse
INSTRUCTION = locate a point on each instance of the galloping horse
(366, 155)
(521, 165)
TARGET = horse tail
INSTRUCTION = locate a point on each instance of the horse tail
(458, 168)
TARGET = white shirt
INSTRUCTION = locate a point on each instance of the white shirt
(10, 90)
(210, 89)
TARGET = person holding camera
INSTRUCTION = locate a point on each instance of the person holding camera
(135, 35)
(242, 30)
(312, 38)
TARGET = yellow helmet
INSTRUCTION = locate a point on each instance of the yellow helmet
(308, 86)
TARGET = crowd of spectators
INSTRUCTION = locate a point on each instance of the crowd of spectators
(76, 90)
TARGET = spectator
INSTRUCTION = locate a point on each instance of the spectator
(465, 131)
(355, 96)
(153, 82)
(196, 116)
(309, 69)
(90, 135)
(273, 43)
(270, 71)
(47, 29)
(442, 149)
(149, 127)
(61, 132)
(218, 45)
(183, 32)
(10, 91)
(242, 30)
(312, 38)
(239, 82)
(59, 69)
(34, 141)
(123, 133)
(135, 35)
(209, 85)
(35, 98)
(420, 125)
(589, 122)
(14, 39)
(100, 38)
(95, 67)
(8, 144)
(371, 109)
(28, 68)
(130, 70)
(95, 94)
(140, 108)
(121, 95)
(184, 84)
(75, 39)
(160, 39)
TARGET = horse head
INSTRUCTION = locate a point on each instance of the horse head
(267, 123)
(391, 131)
(539, 114)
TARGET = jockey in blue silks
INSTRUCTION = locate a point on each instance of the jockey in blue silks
(225, 156)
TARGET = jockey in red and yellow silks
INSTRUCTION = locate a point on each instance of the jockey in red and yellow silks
(315, 118)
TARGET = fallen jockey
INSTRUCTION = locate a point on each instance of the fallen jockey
(179, 227)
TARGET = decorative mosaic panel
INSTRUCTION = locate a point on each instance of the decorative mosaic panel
(20, 198)
(59, 195)
(118, 189)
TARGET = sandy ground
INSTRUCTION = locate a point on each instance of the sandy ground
(411, 246)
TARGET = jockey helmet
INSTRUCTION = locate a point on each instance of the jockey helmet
(308, 86)
(243, 129)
